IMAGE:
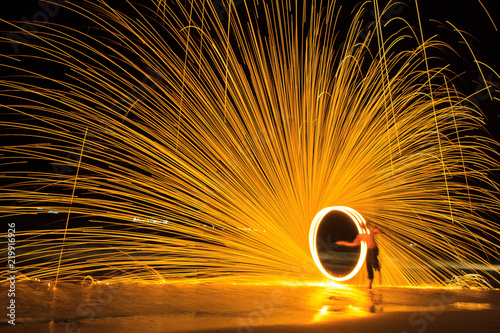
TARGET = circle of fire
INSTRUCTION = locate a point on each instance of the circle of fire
(357, 219)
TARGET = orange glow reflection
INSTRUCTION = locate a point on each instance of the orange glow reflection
(346, 302)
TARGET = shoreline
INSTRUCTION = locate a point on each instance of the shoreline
(457, 321)
(252, 309)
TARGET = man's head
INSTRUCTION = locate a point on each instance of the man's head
(370, 226)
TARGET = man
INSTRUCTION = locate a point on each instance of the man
(372, 253)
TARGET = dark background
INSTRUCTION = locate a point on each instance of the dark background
(468, 16)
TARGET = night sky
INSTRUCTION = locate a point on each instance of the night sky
(468, 16)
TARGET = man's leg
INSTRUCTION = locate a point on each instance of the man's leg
(369, 268)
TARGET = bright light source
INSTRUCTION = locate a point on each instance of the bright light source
(360, 223)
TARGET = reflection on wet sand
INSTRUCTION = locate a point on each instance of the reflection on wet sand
(244, 307)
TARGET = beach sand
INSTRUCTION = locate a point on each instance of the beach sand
(211, 308)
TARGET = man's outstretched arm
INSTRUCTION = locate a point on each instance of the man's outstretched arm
(356, 242)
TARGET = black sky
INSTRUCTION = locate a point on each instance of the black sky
(469, 16)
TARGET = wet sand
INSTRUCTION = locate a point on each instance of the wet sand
(247, 309)
(484, 321)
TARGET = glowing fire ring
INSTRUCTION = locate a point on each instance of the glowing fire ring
(360, 223)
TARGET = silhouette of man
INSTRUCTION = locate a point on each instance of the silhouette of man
(372, 252)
